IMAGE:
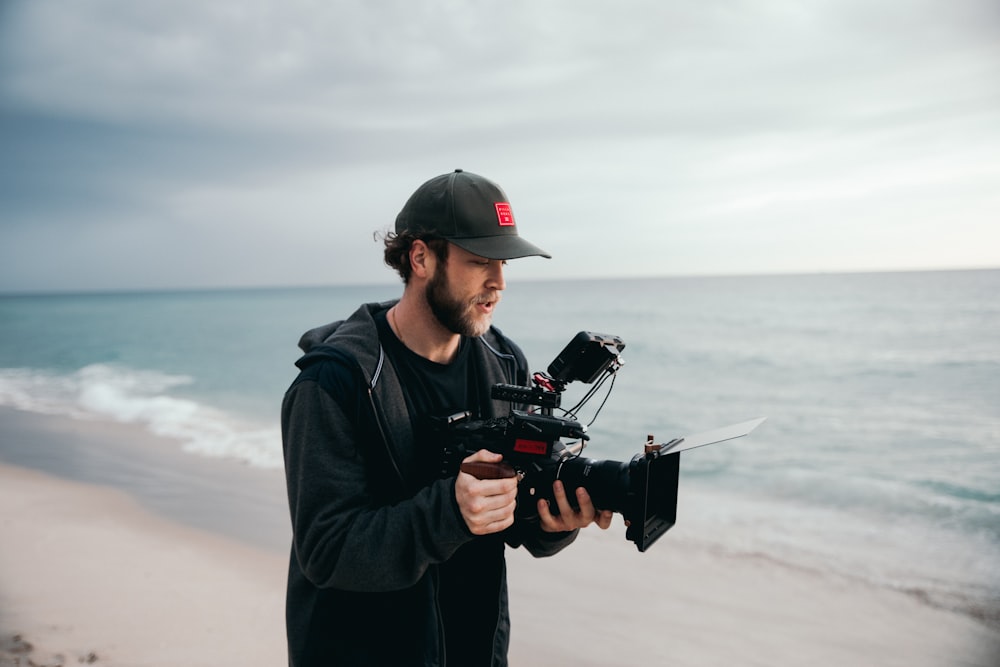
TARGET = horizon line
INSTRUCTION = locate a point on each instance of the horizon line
(394, 280)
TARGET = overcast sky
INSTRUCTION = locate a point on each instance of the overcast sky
(262, 142)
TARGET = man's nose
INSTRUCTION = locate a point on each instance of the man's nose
(496, 280)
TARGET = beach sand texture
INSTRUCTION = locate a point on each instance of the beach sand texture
(89, 575)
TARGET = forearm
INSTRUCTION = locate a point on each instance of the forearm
(379, 548)
(528, 533)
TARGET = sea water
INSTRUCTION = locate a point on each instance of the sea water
(879, 459)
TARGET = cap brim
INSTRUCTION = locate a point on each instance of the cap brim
(506, 246)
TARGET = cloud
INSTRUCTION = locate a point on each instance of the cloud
(697, 137)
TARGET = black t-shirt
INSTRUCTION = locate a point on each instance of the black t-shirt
(431, 390)
(469, 605)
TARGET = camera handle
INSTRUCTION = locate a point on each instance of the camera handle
(487, 470)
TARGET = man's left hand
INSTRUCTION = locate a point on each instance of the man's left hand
(569, 518)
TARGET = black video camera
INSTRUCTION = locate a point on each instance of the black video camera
(644, 490)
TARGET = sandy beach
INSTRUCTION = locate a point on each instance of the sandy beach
(94, 570)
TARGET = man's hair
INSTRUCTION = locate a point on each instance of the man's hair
(397, 250)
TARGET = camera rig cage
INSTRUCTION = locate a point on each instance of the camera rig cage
(643, 490)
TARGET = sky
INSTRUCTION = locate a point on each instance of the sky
(238, 143)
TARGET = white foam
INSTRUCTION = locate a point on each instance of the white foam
(126, 395)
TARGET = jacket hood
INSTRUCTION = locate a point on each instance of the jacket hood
(351, 337)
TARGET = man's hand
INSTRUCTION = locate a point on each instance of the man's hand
(569, 518)
(487, 505)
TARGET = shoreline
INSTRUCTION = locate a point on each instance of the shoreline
(691, 605)
(112, 558)
(213, 494)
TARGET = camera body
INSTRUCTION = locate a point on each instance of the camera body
(532, 442)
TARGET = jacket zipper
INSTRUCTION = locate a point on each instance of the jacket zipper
(442, 633)
(442, 644)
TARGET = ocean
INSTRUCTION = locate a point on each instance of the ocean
(879, 460)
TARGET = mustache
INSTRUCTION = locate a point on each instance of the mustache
(492, 297)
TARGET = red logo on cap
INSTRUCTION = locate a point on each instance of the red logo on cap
(504, 214)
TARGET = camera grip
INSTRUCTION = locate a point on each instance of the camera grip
(486, 470)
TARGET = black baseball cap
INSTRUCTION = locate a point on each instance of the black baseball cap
(468, 210)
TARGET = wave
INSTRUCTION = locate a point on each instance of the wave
(946, 566)
(138, 396)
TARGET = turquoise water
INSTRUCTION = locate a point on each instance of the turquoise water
(880, 459)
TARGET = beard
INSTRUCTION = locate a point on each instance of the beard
(454, 314)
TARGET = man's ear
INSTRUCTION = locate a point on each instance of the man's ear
(421, 259)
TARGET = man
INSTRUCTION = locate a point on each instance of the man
(393, 564)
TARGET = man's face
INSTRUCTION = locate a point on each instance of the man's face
(464, 291)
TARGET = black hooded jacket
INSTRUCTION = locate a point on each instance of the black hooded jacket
(369, 539)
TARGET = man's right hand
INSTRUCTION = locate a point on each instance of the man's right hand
(487, 505)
